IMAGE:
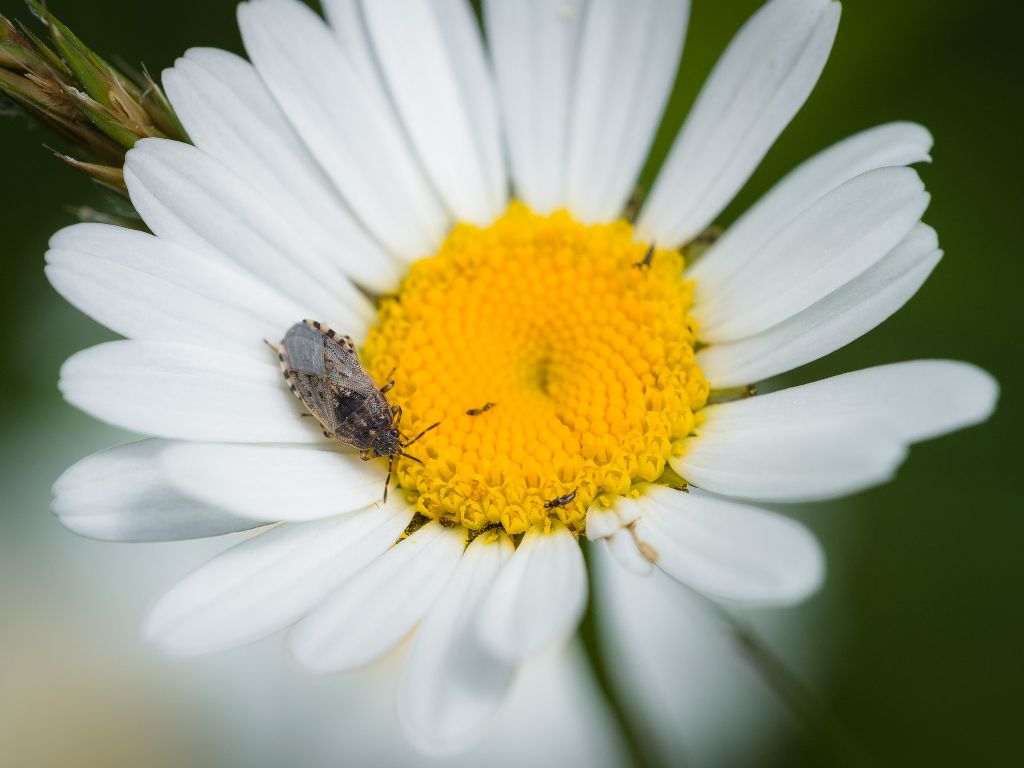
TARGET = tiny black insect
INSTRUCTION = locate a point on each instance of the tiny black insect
(322, 370)
(646, 260)
(561, 501)
(482, 409)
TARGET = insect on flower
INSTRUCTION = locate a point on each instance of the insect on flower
(645, 262)
(561, 501)
(323, 371)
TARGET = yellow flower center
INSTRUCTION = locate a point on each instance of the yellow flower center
(558, 362)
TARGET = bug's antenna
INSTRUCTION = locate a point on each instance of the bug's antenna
(421, 434)
(406, 455)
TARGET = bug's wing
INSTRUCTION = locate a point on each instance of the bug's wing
(328, 378)
(343, 370)
(360, 410)
(313, 393)
(302, 355)
(303, 350)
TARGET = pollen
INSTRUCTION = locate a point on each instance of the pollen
(558, 358)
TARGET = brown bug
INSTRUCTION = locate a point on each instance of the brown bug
(561, 501)
(322, 370)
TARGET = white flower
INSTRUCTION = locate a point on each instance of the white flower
(346, 155)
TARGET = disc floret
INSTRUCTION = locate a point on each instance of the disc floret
(577, 337)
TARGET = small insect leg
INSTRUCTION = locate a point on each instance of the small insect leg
(387, 387)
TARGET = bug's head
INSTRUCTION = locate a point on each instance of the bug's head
(388, 443)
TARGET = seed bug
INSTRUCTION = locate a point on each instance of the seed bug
(323, 371)
(482, 409)
(561, 501)
(646, 260)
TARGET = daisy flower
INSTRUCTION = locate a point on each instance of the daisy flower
(459, 209)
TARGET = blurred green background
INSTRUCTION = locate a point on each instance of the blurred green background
(917, 633)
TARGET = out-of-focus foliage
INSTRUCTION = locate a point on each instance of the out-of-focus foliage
(97, 111)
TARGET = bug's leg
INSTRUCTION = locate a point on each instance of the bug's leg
(435, 425)
(390, 381)
(387, 480)
(366, 455)
(396, 412)
(273, 347)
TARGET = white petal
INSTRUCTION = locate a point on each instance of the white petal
(268, 582)
(188, 197)
(628, 57)
(892, 144)
(628, 510)
(346, 20)
(370, 613)
(534, 46)
(847, 314)
(540, 596)
(275, 482)
(230, 115)
(691, 650)
(149, 289)
(601, 522)
(185, 391)
(829, 244)
(916, 400)
(730, 551)
(799, 460)
(121, 494)
(410, 41)
(450, 683)
(623, 547)
(345, 122)
(465, 45)
(755, 89)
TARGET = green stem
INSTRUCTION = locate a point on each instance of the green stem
(596, 660)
